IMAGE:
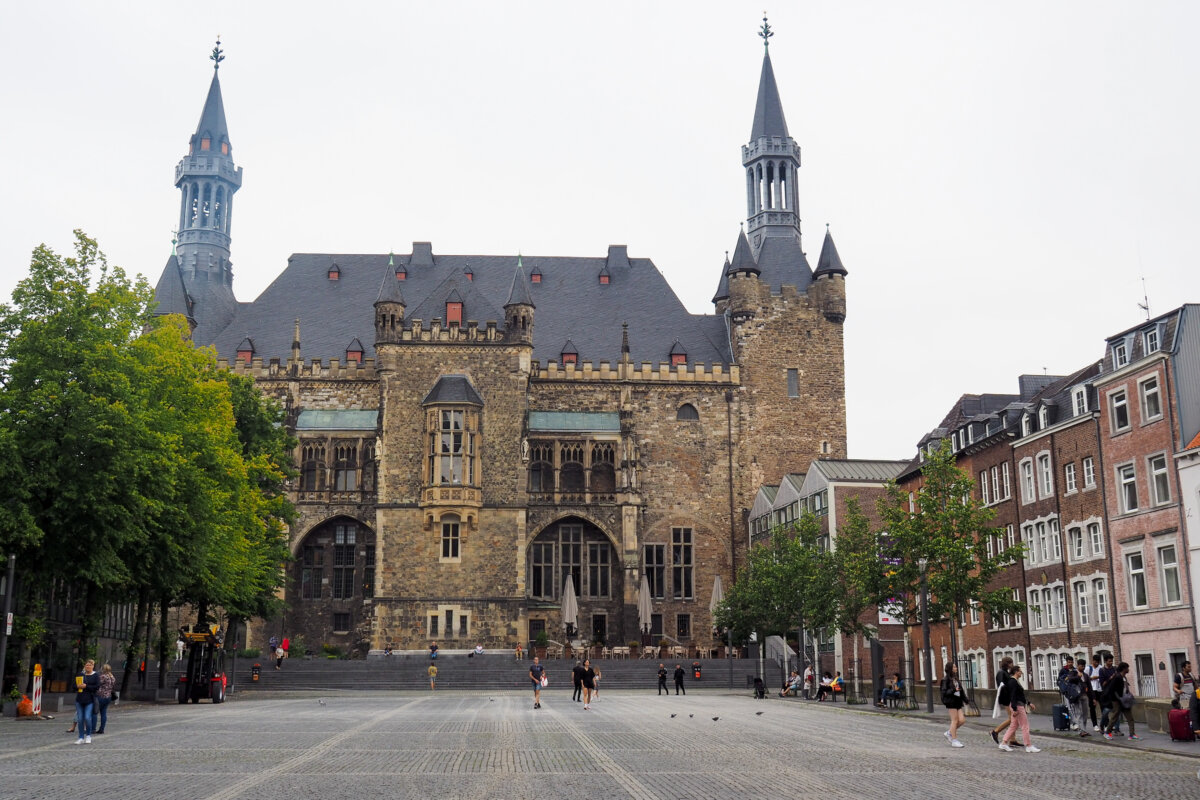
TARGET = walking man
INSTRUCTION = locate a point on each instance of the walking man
(432, 677)
(662, 679)
(577, 679)
(537, 673)
(679, 679)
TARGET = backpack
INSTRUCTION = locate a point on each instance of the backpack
(1072, 691)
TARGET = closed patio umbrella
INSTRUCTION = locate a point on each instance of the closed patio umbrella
(645, 607)
(570, 605)
(718, 594)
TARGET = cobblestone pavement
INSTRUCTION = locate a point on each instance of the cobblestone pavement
(452, 745)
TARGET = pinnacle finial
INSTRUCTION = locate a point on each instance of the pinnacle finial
(218, 55)
(766, 33)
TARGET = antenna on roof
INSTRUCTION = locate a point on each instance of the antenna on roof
(1145, 304)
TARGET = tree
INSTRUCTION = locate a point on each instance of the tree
(950, 530)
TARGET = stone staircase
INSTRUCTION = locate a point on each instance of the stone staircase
(488, 672)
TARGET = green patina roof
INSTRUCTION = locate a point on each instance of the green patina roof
(591, 421)
(338, 420)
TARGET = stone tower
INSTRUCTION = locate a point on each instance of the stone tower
(207, 179)
(785, 320)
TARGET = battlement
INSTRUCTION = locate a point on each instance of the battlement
(645, 371)
(415, 331)
(275, 368)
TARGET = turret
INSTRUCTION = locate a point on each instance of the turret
(518, 309)
(389, 307)
(742, 276)
(829, 286)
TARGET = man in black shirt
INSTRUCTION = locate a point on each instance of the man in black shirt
(1107, 705)
(662, 680)
(679, 679)
(577, 678)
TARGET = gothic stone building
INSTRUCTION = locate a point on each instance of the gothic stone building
(478, 432)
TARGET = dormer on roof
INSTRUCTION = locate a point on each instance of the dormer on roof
(569, 354)
(535, 276)
(335, 272)
(678, 354)
(354, 351)
(454, 307)
(605, 276)
(245, 350)
(468, 273)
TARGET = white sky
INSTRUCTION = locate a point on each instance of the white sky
(998, 177)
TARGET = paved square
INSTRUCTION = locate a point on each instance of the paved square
(454, 744)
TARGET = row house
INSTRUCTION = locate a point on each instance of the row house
(1148, 393)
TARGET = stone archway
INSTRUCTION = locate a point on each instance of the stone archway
(331, 578)
(576, 546)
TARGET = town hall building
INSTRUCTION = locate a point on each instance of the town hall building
(479, 435)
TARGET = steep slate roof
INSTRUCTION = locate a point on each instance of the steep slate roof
(389, 287)
(170, 293)
(453, 389)
(768, 111)
(212, 118)
(571, 304)
(456, 290)
(829, 262)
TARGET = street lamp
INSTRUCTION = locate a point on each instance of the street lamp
(924, 564)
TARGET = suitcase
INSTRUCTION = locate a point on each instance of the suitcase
(1062, 717)
(1180, 723)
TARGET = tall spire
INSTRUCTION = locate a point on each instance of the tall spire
(771, 159)
(207, 179)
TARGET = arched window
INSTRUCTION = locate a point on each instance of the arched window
(687, 413)
(603, 475)
(571, 478)
(541, 467)
(312, 464)
(345, 468)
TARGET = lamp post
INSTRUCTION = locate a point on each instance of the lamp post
(924, 564)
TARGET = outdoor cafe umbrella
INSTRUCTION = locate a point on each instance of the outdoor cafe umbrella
(718, 594)
(570, 606)
(645, 607)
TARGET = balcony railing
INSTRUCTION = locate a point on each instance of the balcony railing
(571, 498)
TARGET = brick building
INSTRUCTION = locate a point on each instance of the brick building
(477, 431)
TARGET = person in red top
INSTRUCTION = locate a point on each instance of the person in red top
(284, 645)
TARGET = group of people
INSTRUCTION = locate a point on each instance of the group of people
(279, 649)
(93, 692)
(662, 679)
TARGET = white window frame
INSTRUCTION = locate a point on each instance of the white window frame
(1118, 405)
(1079, 400)
(1149, 390)
(1095, 537)
(974, 606)
(1100, 590)
(1028, 486)
(1055, 538)
(1120, 353)
(1168, 574)
(1076, 544)
(1136, 578)
(1082, 616)
(1069, 478)
(1159, 479)
(1089, 472)
(1005, 478)
(1127, 497)
(984, 494)
(1151, 341)
(1045, 475)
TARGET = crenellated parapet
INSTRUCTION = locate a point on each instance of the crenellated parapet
(334, 369)
(646, 371)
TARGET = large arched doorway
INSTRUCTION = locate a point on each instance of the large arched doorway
(576, 547)
(332, 576)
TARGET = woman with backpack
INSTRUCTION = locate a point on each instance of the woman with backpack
(1119, 693)
(953, 698)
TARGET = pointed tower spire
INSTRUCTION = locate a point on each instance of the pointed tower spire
(518, 309)
(743, 257)
(389, 306)
(207, 179)
(771, 160)
(830, 263)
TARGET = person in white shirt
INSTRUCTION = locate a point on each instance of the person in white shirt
(1092, 671)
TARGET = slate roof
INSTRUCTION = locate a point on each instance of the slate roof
(571, 304)
(574, 421)
(170, 293)
(337, 419)
(830, 262)
(212, 119)
(768, 111)
(453, 389)
(858, 470)
(389, 286)
(780, 263)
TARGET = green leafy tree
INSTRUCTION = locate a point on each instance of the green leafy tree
(950, 530)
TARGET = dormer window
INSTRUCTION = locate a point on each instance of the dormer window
(678, 354)
(335, 273)
(603, 280)
(206, 143)
(454, 313)
(245, 351)
(224, 148)
(1150, 341)
(570, 358)
(535, 276)
(1079, 400)
(468, 273)
(401, 273)
(354, 351)
(1026, 424)
(1120, 354)
(569, 354)
(1043, 417)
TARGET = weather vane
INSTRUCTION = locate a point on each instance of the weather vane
(766, 33)
(217, 55)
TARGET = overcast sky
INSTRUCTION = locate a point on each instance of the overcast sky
(999, 177)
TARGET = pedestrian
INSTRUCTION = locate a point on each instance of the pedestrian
(952, 699)
(284, 645)
(1107, 706)
(1187, 695)
(1067, 689)
(1001, 699)
(279, 654)
(1119, 692)
(679, 679)
(589, 683)
(86, 685)
(577, 680)
(432, 677)
(1092, 671)
(1077, 684)
(662, 679)
(433, 648)
(596, 686)
(273, 643)
(104, 695)
(519, 652)
(809, 679)
(537, 674)
(179, 646)
(1020, 712)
